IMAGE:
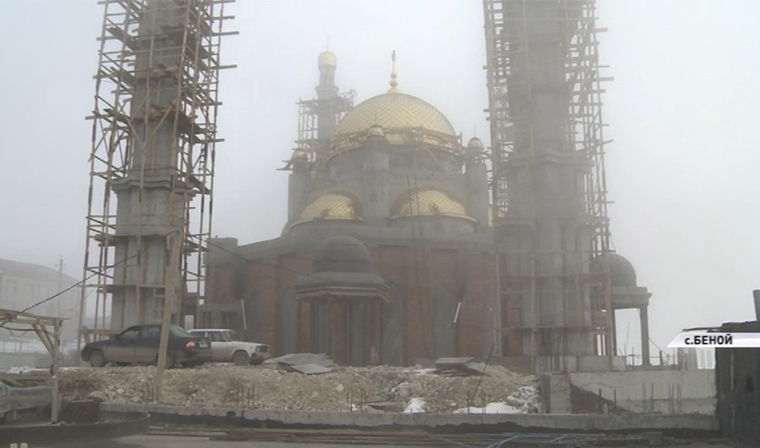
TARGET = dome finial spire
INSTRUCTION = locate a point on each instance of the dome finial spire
(394, 83)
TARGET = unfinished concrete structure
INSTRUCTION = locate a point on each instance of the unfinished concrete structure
(549, 192)
(152, 160)
(411, 270)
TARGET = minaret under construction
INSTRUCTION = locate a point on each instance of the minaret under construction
(152, 161)
(557, 275)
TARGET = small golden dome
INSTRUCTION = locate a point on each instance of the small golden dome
(335, 205)
(405, 119)
(328, 58)
(300, 155)
(427, 201)
(475, 143)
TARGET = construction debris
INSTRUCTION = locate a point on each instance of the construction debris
(371, 389)
(310, 369)
(459, 367)
(307, 363)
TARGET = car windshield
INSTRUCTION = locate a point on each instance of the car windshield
(230, 336)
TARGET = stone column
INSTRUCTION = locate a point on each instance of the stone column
(644, 316)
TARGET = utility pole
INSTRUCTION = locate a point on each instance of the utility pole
(56, 402)
(60, 287)
(174, 242)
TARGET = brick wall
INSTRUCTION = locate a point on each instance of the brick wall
(469, 274)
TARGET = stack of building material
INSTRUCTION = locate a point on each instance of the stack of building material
(306, 363)
(459, 367)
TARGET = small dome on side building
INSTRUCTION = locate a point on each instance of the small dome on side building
(622, 272)
(341, 254)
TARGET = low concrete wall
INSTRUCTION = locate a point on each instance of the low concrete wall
(663, 391)
(494, 423)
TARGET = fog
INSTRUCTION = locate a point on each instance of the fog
(683, 114)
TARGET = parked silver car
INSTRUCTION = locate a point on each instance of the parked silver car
(226, 346)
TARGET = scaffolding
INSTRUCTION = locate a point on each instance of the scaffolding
(309, 112)
(152, 162)
(548, 49)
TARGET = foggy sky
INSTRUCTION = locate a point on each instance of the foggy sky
(682, 112)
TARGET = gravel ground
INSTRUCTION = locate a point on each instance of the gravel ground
(266, 387)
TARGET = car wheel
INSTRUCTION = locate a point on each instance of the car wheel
(241, 358)
(97, 358)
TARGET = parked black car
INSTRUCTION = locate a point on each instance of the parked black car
(139, 345)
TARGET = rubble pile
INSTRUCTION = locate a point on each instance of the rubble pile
(391, 389)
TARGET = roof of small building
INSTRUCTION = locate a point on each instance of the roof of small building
(33, 272)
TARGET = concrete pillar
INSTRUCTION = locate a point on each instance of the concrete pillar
(477, 189)
(375, 188)
(644, 315)
(556, 393)
(299, 183)
(614, 330)
(327, 92)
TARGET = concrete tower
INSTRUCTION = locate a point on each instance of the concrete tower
(152, 160)
(151, 201)
(550, 194)
(327, 96)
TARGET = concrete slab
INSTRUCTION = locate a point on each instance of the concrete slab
(310, 369)
(668, 424)
(294, 359)
(653, 391)
(452, 361)
(148, 441)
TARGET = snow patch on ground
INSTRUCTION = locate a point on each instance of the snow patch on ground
(20, 369)
(415, 406)
(526, 400)
(490, 408)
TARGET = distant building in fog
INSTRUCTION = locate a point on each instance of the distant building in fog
(24, 284)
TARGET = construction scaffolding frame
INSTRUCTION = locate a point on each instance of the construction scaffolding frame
(153, 151)
(511, 79)
(42, 326)
(308, 113)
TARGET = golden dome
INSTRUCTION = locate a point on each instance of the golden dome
(405, 119)
(335, 205)
(475, 143)
(328, 58)
(427, 201)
